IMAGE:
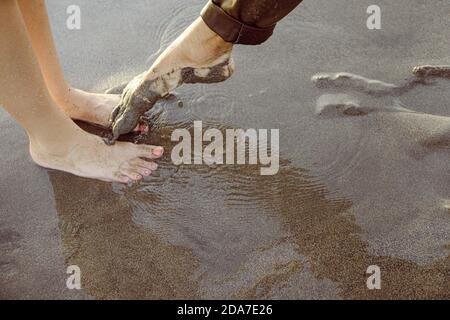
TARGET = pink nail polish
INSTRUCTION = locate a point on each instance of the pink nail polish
(158, 151)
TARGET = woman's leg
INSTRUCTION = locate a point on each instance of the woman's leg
(55, 141)
(80, 105)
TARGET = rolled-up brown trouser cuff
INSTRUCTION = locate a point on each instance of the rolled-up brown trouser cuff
(232, 30)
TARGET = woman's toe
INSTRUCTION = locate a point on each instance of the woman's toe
(131, 173)
(152, 166)
(151, 152)
(123, 179)
(143, 171)
(142, 128)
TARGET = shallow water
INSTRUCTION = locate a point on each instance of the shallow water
(352, 191)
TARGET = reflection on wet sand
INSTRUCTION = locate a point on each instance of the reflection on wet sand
(118, 259)
(227, 232)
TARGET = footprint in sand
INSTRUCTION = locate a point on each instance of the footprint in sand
(349, 105)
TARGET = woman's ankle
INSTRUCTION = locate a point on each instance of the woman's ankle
(59, 91)
(67, 99)
(57, 132)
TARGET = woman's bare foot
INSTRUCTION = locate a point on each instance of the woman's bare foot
(55, 140)
(86, 155)
(90, 107)
(198, 55)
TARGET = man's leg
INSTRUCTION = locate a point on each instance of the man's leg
(205, 40)
(222, 24)
(198, 55)
(80, 105)
(55, 141)
(248, 22)
(202, 53)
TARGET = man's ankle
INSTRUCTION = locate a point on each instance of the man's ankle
(212, 40)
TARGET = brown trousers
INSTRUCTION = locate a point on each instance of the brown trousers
(248, 22)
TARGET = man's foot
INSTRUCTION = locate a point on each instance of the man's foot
(86, 155)
(198, 55)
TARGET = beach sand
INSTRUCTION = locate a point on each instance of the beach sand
(352, 191)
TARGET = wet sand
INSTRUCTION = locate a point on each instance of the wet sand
(352, 191)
